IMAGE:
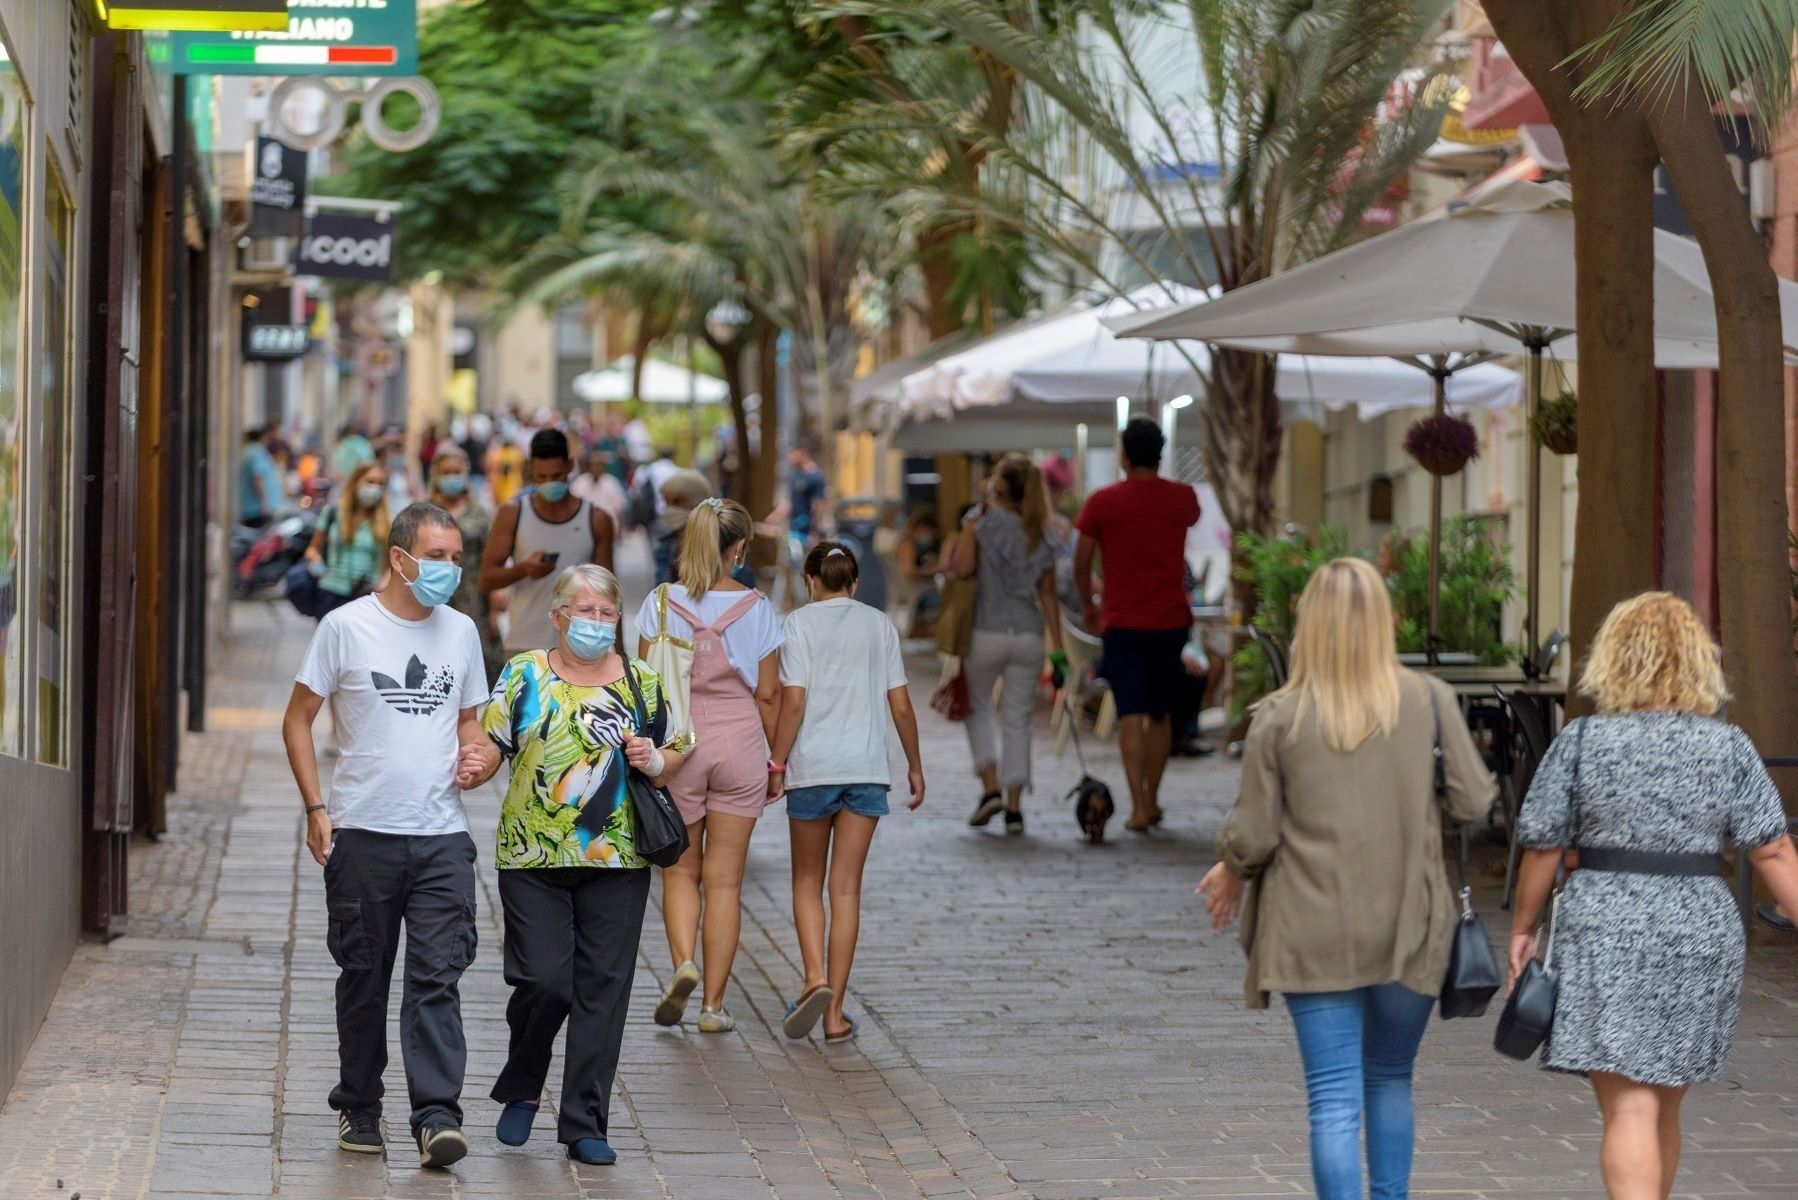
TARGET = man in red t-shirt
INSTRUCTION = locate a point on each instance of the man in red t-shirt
(1138, 528)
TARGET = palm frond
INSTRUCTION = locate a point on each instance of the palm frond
(1657, 49)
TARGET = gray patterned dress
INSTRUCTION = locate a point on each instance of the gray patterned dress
(1650, 966)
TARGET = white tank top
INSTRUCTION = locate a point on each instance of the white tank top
(527, 620)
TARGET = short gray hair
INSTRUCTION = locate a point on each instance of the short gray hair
(585, 575)
(412, 518)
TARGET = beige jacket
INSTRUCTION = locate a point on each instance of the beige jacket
(1345, 851)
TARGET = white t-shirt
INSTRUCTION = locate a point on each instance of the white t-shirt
(846, 657)
(397, 689)
(749, 639)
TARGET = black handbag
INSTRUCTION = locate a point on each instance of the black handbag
(661, 835)
(1473, 974)
(1529, 1014)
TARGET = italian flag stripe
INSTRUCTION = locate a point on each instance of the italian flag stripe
(293, 56)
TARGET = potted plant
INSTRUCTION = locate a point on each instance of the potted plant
(1442, 444)
(1556, 423)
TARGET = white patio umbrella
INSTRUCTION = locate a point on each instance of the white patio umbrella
(1069, 356)
(663, 383)
(1494, 277)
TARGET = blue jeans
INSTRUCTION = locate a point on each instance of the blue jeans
(1358, 1048)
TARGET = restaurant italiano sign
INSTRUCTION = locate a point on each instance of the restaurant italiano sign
(319, 37)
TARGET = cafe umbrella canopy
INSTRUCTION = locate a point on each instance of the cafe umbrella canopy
(1494, 277)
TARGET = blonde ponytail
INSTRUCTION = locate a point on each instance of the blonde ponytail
(714, 529)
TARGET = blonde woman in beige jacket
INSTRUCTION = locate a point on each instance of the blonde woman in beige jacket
(1339, 827)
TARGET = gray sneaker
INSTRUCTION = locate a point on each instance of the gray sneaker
(716, 1020)
(673, 1005)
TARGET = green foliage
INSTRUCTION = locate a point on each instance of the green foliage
(1278, 568)
(1556, 422)
(1476, 583)
(522, 84)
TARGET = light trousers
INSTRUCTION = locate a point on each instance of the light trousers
(1017, 660)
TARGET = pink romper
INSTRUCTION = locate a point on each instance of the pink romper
(727, 772)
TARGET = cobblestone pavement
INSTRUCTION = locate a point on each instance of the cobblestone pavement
(1040, 1019)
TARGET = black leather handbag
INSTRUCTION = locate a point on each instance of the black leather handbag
(1473, 974)
(1530, 1012)
(661, 835)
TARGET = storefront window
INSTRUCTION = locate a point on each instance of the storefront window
(12, 423)
(52, 453)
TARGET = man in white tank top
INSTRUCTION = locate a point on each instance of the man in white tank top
(537, 535)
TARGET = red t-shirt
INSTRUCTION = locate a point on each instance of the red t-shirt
(1140, 524)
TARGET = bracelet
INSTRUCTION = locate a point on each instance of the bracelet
(312, 808)
(775, 768)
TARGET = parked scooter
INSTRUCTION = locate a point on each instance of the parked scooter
(261, 558)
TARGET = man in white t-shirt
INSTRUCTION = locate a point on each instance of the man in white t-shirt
(405, 678)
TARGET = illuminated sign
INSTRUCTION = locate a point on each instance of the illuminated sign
(275, 343)
(318, 37)
(206, 15)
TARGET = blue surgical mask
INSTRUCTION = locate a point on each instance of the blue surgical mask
(452, 485)
(554, 491)
(437, 580)
(590, 639)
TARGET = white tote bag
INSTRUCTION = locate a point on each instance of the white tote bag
(671, 658)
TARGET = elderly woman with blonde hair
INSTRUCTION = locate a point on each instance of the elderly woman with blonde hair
(1641, 800)
(573, 720)
(1339, 827)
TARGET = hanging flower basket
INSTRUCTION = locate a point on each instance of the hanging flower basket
(1556, 423)
(1442, 444)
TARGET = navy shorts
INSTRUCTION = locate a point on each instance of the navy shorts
(828, 799)
(1143, 669)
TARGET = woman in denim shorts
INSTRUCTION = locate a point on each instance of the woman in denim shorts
(843, 657)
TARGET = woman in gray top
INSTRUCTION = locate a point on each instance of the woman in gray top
(1642, 799)
(1014, 605)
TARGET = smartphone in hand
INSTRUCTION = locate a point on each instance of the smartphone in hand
(552, 558)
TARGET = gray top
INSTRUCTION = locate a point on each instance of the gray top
(1006, 577)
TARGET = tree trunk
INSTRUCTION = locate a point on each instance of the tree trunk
(936, 263)
(1612, 158)
(1242, 424)
(730, 353)
(762, 465)
(1754, 581)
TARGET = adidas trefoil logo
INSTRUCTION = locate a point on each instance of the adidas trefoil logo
(424, 691)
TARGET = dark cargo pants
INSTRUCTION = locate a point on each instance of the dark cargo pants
(373, 881)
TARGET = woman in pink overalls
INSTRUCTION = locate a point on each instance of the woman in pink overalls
(735, 695)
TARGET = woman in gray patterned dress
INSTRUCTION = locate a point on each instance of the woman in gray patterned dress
(1642, 799)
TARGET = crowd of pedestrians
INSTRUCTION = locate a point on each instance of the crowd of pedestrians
(730, 707)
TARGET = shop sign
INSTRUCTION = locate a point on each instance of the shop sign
(218, 16)
(275, 343)
(339, 247)
(277, 189)
(319, 37)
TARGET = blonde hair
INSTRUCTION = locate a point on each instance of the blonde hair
(350, 514)
(1344, 655)
(1653, 653)
(714, 528)
(1023, 482)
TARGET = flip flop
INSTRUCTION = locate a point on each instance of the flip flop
(833, 1039)
(804, 1012)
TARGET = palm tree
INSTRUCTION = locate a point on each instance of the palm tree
(719, 216)
(1120, 113)
(1631, 83)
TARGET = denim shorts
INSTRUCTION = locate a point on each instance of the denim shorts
(826, 800)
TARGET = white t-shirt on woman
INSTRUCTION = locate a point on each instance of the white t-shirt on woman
(749, 639)
(846, 657)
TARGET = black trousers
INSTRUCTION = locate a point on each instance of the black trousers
(373, 881)
(571, 952)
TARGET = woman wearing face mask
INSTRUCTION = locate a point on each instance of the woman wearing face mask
(449, 491)
(680, 492)
(573, 719)
(346, 551)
